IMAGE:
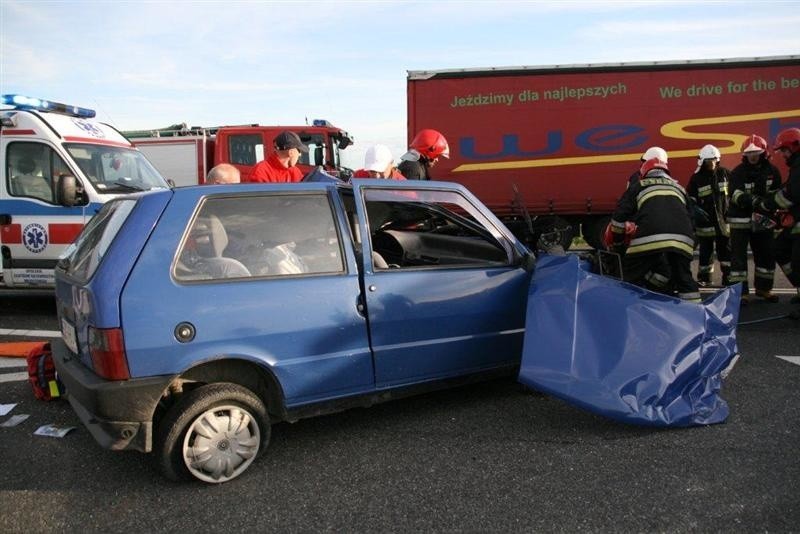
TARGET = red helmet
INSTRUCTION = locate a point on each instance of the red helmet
(788, 138)
(431, 144)
(630, 231)
(754, 143)
(651, 164)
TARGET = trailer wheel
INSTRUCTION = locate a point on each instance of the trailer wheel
(593, 230)
(212, 434)
(553, 230)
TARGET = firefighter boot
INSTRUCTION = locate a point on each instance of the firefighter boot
(796, 299)
(704, 275)
(767, 295)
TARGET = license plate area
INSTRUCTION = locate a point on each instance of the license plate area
(68, 334)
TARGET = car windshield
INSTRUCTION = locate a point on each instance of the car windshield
(116, 169)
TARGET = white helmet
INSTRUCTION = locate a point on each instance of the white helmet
(709, 152)
(655, 152)
(378, 158)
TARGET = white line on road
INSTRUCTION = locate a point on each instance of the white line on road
(13, 377)
(791, 359)
(7, 363)
(29, 333)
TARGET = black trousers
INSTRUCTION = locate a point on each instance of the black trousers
(663, 272)
(763, 246)
(787, 254)
(706, 264)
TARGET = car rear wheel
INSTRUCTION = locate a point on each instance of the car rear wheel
(212, 434)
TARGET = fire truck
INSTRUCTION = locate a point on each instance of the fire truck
(57, 167)
(185, 154)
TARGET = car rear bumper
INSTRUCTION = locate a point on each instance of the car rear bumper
(118, 413)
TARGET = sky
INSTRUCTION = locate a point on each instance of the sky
(147, 65)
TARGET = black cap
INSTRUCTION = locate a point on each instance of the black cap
(286, 140)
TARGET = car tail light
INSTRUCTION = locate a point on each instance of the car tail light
(108, 353)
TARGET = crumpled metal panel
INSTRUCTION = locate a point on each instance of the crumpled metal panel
(624, 352)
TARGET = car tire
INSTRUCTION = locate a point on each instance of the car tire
(212, 434)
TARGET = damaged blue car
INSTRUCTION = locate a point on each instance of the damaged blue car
(193, 319)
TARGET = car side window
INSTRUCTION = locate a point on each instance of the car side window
(442, 229)
(276, 235)
(31, 171)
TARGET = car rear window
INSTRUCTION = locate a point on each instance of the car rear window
(276, 235)
(83, 257)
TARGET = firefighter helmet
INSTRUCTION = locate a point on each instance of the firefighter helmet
(709, 152)
(788, 138)
(655, 152)
(754, 143)
(431, 144)
(651, 165)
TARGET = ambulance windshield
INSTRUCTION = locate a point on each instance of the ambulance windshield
(116, 169)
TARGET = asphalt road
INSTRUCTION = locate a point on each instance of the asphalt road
(487, 457)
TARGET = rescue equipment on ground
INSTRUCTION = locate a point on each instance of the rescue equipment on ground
(42, 373)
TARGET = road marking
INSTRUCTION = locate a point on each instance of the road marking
(6, 363)
(13, 377)
(29, 333)
(791, 359)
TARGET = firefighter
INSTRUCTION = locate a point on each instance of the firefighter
(751, 181)
(660, 254)
(650, 153)
(787, 244)
(425, 150)
(708, 191)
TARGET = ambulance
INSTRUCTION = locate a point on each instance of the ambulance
(58, 167)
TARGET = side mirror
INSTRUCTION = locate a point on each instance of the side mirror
(345, 141)
(67, 190)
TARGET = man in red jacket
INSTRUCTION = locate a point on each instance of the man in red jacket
(280, 166)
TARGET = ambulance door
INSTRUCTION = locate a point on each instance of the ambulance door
(34, 228)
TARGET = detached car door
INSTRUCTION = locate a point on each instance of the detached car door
(445, 289)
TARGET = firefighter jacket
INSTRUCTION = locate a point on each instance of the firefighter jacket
(414, 169)
(788, 196)
(658, 206)
(709, 191)
(750, 183)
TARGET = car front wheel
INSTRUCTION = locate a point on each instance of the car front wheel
(212, 433)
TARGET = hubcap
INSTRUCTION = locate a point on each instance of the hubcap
(221, 443)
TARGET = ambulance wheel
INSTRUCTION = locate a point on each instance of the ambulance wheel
(212, 434)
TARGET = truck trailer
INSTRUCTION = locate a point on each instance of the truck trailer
(556, 144)
(185, 154)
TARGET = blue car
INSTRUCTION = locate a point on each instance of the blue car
(192, 319)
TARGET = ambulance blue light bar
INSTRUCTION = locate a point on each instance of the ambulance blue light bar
(37, 104)
(322, 123)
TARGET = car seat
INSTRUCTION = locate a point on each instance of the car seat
(210, 239)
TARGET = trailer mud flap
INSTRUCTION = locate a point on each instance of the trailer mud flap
(624, 352)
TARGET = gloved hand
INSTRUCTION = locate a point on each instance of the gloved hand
(701, 217)
(745, 200)
(758, 204)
